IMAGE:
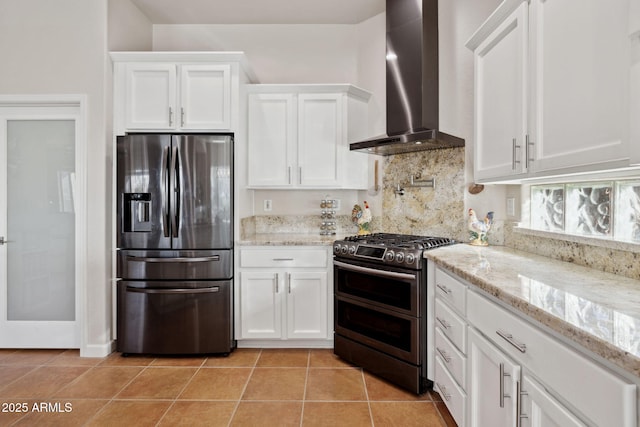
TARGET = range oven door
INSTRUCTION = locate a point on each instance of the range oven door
(380, 309)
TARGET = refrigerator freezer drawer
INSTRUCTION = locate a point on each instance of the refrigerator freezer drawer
(175, 320)
(175, 265)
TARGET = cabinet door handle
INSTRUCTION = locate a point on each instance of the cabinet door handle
(446, 396)
(443, 288)
(300, 175)
(514, 160)
(170, 117)
(181, 117)
(289, 174)
(502, 394)
(528, 147)
(519, 414)
(522, 348)
(444, 355)
(289, 281)
(277, 281)
(443, 323)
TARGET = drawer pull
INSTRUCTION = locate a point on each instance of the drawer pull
(443, 323)
(522, 348)
(443, 288)
(446, 396)
(444, 355)
(283, 259)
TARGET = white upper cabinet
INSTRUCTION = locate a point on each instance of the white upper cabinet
(501, 98)
(581, 96)
(299, 136)
(168, 96)
(552, 84)
(169, 91)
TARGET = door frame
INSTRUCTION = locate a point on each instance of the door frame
(71, 107)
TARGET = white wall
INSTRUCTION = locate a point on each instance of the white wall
(458, 20)
(128, 28)
(59, 47)
(277, 53)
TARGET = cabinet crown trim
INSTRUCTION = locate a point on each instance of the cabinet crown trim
(492, 22)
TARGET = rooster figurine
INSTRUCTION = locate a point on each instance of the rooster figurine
(361, 217)
(478, 229)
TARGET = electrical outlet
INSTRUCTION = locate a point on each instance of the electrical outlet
(267, 205)
(511, 206)
(336, 206)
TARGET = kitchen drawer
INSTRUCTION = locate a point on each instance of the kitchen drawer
(284, 257)
(451, 290)
(452, 395)
(452, 359)
(557, 365)
(451, 325)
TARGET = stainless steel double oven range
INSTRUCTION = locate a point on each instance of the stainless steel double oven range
(380, 305)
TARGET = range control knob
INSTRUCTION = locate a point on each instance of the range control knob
(389, 256)
(399, 257)
(352, 250)
(336, 249)
(344, 249)
(410, 258)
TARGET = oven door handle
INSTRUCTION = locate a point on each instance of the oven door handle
(381, 273)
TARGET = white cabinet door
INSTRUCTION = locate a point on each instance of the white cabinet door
(272, 139)
(307, 310)
(260, 304)
(501, 98)
(493, 384)
(205, 100)
(150, 100)
(320, 140)
(581, 62)
(153, 91)
(540, 409)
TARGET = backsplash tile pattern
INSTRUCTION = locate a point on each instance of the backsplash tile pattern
(435, 211)
(611, 259)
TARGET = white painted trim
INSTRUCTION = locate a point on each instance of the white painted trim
(31, 105)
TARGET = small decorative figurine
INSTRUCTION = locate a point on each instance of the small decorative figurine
(478, 229)
(362, 218)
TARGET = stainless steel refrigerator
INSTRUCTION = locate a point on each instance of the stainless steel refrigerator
(175, 244)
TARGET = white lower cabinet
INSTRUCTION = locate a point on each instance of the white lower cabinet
(517, 374)
(540, 409)
(493, 384)
(451, 344)
(283, 294)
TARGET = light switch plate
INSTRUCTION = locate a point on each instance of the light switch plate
(267, 206)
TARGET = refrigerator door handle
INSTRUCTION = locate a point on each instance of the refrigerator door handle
(165, 185)
(177, 259)
(175, 291)
(174, 196)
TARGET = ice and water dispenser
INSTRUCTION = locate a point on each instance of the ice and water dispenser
(137, 212)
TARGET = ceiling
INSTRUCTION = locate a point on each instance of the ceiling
(259, 11)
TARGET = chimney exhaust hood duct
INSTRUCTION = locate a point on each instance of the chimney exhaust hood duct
(412, 82)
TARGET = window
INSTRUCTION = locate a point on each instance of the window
(607, 209)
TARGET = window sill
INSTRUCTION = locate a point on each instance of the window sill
(584, 240)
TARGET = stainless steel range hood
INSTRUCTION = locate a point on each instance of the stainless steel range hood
(412, 82)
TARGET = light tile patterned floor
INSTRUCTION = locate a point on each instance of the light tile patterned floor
(251, 387)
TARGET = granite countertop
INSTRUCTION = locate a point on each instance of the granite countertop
(599, 311)
(288, 239)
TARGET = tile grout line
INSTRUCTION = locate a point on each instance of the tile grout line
(175, 399)
(111, 399)
(246, 384)
(366, 394)
(304, 391)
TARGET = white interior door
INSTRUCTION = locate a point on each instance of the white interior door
(38, 227)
